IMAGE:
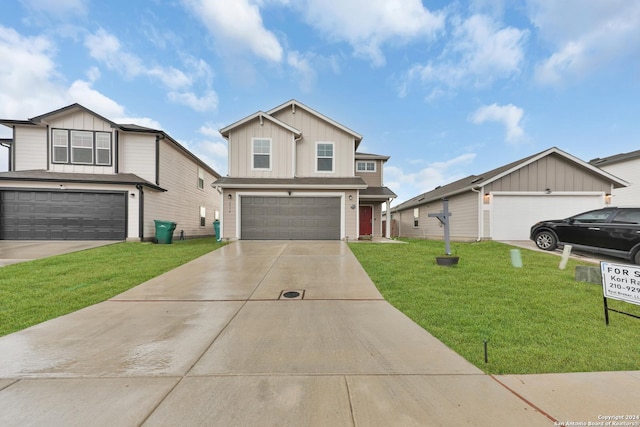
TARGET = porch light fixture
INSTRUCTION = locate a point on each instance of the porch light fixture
(350, 197)
(547, 191)
(607, 198)
(487, 198)
(229, 196)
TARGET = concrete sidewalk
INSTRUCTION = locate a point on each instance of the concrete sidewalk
(213, 343)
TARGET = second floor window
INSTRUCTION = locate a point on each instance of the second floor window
(324, 158)
(200, 179)
(261, 154)
(362, 166)
(81, 147)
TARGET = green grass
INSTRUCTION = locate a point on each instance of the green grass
(536, 319)
(35, 291)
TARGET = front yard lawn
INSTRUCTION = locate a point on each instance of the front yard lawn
(39, 290)
(535, 319)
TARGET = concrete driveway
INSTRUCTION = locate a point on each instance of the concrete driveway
(215, 343)
(15, 251)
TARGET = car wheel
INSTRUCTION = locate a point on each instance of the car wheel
(636, 257)
(546, 240)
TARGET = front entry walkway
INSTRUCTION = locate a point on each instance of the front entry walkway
(214, 342)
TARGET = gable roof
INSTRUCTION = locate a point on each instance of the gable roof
(296, 104)
(615, 159)
(262, 116)
(474, 182)
(36, 121)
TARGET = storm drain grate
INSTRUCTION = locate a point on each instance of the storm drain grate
(292, 294)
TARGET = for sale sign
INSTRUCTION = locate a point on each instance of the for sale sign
(621, 282)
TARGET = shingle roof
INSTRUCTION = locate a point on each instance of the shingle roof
(378, 192)
(86, 178)
(312, 182)
(476, 181)
(615, 159)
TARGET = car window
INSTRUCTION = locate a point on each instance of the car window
(628, 216)
(593, 216)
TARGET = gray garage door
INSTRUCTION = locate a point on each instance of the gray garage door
(290, 218)
(59, 215)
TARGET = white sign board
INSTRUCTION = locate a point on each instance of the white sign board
(621, 282)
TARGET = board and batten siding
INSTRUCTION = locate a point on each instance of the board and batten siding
(241, 150)
(551, 172)
(182, 201)
(316, 130)
(372, 179)
(629, 171)
(31, 151)
(137, 152)
(463, 222)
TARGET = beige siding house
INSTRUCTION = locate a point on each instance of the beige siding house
(75, 175)
(503, 204)
(627, 167)
(295, 174)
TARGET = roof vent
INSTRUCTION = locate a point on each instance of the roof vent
(474, 180)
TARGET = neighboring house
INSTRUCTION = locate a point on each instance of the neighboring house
(295, 174)
(627, 167)
(503, 204)
(75, 175)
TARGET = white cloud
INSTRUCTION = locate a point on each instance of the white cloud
(508, 115)
(106, 48)
(599, 35)
(479, 52)
(409, 184)
(29, 80)
(303, 69)
(82, 93)
(367, 25)
(62, 9)
(237, 25)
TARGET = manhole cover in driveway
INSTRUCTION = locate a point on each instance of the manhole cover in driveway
(292, 294)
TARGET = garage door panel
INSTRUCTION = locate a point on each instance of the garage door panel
(513, 215)
(290, 218)
(57, 215)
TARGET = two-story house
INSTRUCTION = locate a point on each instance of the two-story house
(75, 175)
(295, 174)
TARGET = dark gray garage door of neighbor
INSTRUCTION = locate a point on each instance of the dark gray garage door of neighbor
(62, 215)
(289, 218)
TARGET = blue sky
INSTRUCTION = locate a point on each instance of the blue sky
(447, 89)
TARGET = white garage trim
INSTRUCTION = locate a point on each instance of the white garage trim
(513, 213)
(289, 194)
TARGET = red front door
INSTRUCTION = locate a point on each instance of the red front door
(366, 220)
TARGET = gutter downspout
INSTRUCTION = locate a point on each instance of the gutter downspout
(140, 212)
(480, 213)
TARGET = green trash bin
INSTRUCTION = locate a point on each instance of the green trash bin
(216, 230)
(164, 231)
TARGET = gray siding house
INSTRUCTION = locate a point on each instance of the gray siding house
(296, 174)
(75, 175)
(503, 203)
(627, 167)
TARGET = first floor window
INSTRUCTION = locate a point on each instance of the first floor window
(203, 216)
(60, 146)
(416, 216)
(81, 147)
(261, 154)
(324, 157)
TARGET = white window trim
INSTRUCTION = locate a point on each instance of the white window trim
(333, 157)
(101, 148)
(366, 162)
(91, 149)
(416, 217)
(200, 182)
(253, 154)
(54, 145)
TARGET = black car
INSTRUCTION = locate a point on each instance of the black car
(609, 231)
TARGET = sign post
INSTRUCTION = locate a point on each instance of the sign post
(620, 282)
